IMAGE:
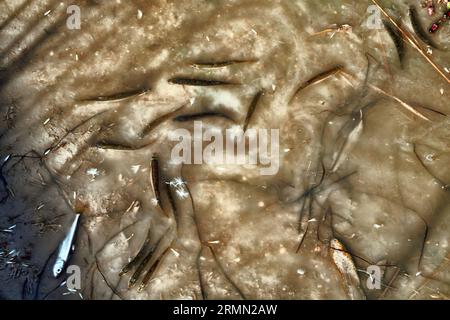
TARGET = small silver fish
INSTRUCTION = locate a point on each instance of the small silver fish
(65, 248)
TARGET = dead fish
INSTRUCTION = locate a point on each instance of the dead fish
(113, 146)
(252, 109)
(346, 267)
(138, 257)
(200, 115)
(119, 96)
(65, 248)
(319, 78)
(221, 64)
(155, 179)
(349, 143)
(152, 270)
(198, 82)
(142, 265)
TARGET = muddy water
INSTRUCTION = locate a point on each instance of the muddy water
(363, 142)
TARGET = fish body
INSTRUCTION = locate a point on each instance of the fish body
(252, 109)
(138, 257)
(318, 79)
(198, 82)
(200, 115)
(155, 179)
(348, 145)
(152, 270)
(221, 64)
(134, 278)
(65, 248)
(120, 96)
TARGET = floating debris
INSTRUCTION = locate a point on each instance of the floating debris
(5, 160)
(437, 25)
(134, 206)
(135, 168)
(429, 5)
(175, 252)
(10, 229)
(13, 260)
(182, 194)
(176, 182)
(344, 263)
(45, 225)
(335, 29)
(420, 32)
(72, 291)
(179, 185)
(93, 172)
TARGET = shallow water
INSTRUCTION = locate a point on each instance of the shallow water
(364, 147)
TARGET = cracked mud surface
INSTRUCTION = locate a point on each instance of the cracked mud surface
(364, 150)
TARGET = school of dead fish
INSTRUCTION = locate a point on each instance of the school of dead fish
(340, 256)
